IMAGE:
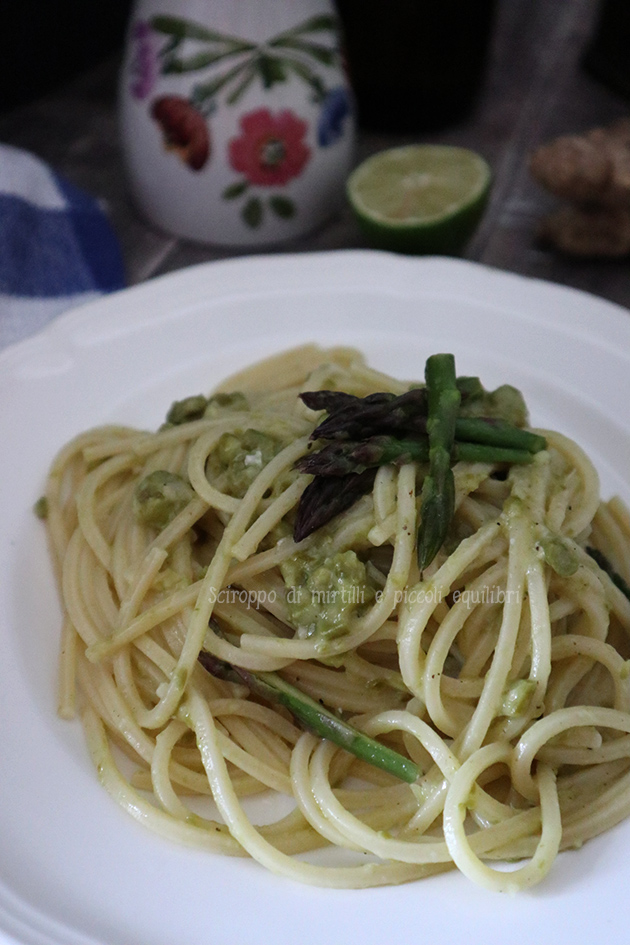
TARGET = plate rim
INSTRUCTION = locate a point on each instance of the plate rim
(159, 289)
(192, 279)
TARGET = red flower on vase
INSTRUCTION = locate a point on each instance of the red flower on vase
(271, 149)
(184, 129)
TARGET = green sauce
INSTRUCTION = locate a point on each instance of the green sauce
(505, 403)
(159, 497)
(559, 556)
(219, 403)
(517, 697)
(325, 590)
(240, 457)
(184, 411)
(41, 507)
(198, 407)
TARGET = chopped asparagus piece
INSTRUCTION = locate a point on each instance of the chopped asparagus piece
(183, 411)
(448, 420)
(159, 497)
(496, 432)
(559, 556)
(438, 490)
(314, 717)
(379, 413)
(334, 400)
(606, 566)
(326, 497)
(41, 507)
(235, 400)
(340, 458)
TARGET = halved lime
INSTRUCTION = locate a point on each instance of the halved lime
(425, 198)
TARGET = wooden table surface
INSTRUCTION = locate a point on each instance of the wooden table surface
(535, 89)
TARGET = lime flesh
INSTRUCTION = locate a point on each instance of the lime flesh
(420, 198)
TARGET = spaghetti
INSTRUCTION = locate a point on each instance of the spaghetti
(499, 672)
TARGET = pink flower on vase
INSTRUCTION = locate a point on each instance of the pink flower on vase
(144, 66)
(270, 150)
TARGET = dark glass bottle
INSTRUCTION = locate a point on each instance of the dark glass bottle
(46, 42)
(608, 54)
(415, 65)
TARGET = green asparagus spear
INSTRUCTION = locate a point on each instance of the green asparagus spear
(332, 401)
(341, 458)
(356, 418)
(606, 566)
(326, 497)
(315, 717)
(335, 400)
(497, 433)
(382, 413)
(485, 453)
(438, 490)
(421, 425)
(353, 418)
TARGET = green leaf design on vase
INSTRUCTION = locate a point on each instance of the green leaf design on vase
(181, 29)
(235, 63)
(176, 66)
(252, 212)
(303, 72)
(206, 91)
(283, 207)
(323, 54)
(272, 70)
(315, 24)
(235, 190)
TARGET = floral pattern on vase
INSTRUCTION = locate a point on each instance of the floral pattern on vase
(336, 107)
(144, 67)
(184, 129)
(253, 119)
(269, 152)
(271, 148)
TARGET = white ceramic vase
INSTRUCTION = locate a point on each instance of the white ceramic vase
(237, 118)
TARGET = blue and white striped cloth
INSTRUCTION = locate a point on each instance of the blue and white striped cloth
(57, 248)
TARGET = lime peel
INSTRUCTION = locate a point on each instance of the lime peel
(420, 198)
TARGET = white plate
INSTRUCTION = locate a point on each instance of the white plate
(74, 868)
